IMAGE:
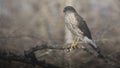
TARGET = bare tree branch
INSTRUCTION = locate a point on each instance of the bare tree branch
(29, 56)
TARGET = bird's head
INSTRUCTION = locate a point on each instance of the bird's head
(69, 9)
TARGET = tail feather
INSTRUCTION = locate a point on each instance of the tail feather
(94, 46)
(90, 41)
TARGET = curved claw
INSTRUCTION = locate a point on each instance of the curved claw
(74, 44)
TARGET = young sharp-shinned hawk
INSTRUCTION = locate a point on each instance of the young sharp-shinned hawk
(80, 31)
(78, 27)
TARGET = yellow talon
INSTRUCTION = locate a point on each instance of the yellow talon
(74, 44)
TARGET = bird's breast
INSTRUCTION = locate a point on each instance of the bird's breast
(72, 24)
(70, 18)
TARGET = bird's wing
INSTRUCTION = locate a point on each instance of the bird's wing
(83, 27)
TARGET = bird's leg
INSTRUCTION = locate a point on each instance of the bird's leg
(74, 43)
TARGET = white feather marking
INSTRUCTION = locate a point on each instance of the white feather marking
(70, 17)
(72, 23)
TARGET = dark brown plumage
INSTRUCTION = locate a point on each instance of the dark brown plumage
(83, 27)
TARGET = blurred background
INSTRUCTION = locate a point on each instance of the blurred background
(25, 23)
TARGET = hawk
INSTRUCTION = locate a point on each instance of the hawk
(79, 29)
